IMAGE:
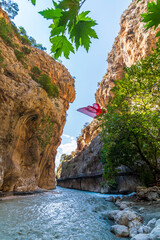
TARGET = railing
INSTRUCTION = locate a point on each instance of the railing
(94, 175)
(83, 175)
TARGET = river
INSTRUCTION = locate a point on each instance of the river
(68, 215)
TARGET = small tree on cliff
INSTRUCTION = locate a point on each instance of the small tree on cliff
(10, 7)
(131, 127)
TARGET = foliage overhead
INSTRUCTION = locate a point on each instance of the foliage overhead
(70, 28)
(152, 17)
(131, 127)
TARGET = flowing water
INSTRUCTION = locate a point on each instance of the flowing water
(69, 215)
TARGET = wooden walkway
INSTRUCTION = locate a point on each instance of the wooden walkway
(83, 175)
(93, 175)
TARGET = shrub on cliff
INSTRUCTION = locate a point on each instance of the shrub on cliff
(45, 82)
(35, 73)
(47, 85)
(131, 127)
(26, 50)
(6, 32)
(19, 55)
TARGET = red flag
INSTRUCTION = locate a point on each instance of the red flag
(92, 111)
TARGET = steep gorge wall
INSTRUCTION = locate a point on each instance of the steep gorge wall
(25, 163)
(132, 44)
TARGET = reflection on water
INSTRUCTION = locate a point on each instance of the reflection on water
(70, 215)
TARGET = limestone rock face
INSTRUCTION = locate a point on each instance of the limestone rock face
(84, 171)
(26, 116)
(132, 44)
(88, 133)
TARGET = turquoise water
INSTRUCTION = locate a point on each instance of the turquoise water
(69, 215)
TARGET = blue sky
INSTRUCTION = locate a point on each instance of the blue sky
(88, 68)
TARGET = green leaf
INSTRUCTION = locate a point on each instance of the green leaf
(57, 30)
(54, 3)
(33, 2)
(63, 20)
(69, 4)
(82, 33)
(158, 34)
(51, 13)
(82, 16)
(152, 17)
(71, 8)
(60, 45)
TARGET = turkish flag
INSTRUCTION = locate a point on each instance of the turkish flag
(92, 111)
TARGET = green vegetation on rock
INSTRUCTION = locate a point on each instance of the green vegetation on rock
(1, 58)
(131, 127)
(19, 55)
(6, 32)
(26, 50)
(45, 82)
(48, 86)
(44, 131)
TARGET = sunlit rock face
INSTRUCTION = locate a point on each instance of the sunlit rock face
(25, 161)
(132, 44)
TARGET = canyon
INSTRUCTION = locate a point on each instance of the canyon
(84, 171)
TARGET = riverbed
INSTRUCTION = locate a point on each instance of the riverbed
(64, 214)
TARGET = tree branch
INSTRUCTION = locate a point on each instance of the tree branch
(82, 3)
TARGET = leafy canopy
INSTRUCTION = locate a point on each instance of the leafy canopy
(131, 127)
(73, 29)
(70, 28)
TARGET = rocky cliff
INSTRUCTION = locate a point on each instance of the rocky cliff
(132, 43)
(31, 122)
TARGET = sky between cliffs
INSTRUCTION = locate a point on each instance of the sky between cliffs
(88, 68)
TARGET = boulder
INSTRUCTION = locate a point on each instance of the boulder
(152, 196)
(156, 230)
(149, 194)
(110, 199)
(126, 216)
(158, 222)
(120, 230)
(112, 214)
(144, 229)
(152, 223)
(134, 227)
(143, 237)
(125, 205)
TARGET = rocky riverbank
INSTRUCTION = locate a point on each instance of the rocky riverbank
(138, 216)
